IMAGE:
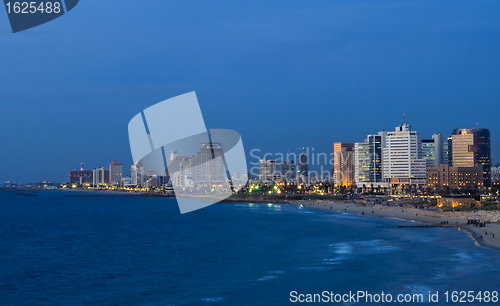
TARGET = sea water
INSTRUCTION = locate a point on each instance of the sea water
(58, 248)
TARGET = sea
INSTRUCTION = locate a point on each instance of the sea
(70, 248)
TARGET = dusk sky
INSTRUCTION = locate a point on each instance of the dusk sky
(284, 74)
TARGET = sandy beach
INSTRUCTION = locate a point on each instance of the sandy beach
(490, 233)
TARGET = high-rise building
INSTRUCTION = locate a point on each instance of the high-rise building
(402, 157)
(208, 165)
(80, 176)
(343, 156)
(438, 149)
(267, 170)
(100, 176)
(429, 152)
(293, 172)
(368, 160)
(432, 150)
(137, 174)
(447, 151)
(471, 147)
(285, 169)
(115, 173)
(303, 164)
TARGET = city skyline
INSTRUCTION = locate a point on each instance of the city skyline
(400, 157)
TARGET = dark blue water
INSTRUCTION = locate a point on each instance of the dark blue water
(60, 250)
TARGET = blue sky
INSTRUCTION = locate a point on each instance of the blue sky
(285, 74)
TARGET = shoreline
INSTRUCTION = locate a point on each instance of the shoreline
(416, 215)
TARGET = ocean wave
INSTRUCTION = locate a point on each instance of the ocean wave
(267, 277)
(212, 299)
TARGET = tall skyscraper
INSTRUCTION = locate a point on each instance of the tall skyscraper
(285, 169)
(303, 164)
(115, 173)
(402, 157)
(137, 174)
(368, 160)
(267, 170)
(343, 156)
(100, 176)
(429, 152)
(432, 150)
(438, 149)
(447, 151)
(208, 165)
(471, 147)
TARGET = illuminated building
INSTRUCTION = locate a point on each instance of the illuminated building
(343, 168)
(402, 157)
(78, 176)
(471, 147)
(368, 160)
(432, 150)
(208, 165)
(447, 151)
(267, 170)
(303, 164)
(100, 176)
(429, 152)
(459, 201)
(137, 174)
(115, 173)
(445, 177)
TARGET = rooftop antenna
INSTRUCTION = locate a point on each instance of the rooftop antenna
(404, 117)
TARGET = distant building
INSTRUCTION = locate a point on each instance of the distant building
(429, 152)
(293, 172)
(445, 177)
(402, 157)
(208, 165)
(115, 173)
(459, 201)
(432, 150)
(495, 174)
(343, 168)
(126, 181)
(447, 151)
(137, 174)
(438, 149)
(80, 176)
(368, 160)
(180, 171)
(100, 176)
(285, 169)
(471, 147)
(267, 170)
(303, 164)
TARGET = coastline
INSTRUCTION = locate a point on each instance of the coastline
(417, 215)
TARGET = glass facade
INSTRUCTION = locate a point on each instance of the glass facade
(471, 147)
